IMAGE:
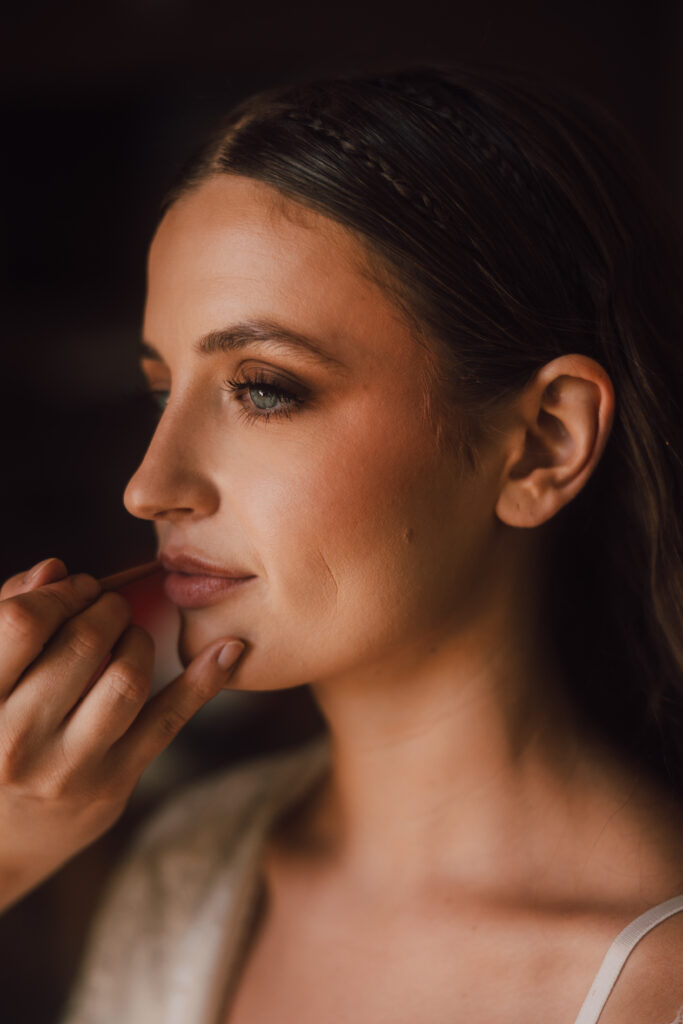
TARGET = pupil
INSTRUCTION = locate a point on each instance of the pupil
(269, 404)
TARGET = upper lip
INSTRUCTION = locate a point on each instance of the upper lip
(181, 561)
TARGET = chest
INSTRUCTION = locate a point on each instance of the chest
(402, 967)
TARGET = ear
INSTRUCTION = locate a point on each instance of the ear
(556, 430)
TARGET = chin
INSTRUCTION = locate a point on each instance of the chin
(264, 666)
(185, 656)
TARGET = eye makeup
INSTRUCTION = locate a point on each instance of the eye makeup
(249, 390)
(263, 386)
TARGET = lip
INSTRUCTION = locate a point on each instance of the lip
(182, 561)
(192, 582)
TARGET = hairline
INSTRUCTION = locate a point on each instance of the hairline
(452, 429)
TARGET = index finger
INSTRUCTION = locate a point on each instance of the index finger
(48, 571)
(165, 714)
(28, 620)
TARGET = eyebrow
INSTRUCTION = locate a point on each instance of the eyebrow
(251, 332)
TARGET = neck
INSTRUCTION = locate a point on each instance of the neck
(463, 758)
(459, 744)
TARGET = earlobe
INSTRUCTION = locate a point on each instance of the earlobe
(558, 429)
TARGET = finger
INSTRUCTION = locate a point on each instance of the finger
(48, 571)
(28, 620)
(164, 716)
(49, 690)
(109, 707)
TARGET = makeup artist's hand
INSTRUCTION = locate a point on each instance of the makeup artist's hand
(72, 750)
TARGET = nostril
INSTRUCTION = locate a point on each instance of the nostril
(172, 513)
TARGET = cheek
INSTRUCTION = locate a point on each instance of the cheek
(363, 547)
(351, 554)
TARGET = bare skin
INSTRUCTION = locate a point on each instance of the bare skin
(453, 941)
(475, 850)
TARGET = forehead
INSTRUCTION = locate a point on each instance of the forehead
(235, 248)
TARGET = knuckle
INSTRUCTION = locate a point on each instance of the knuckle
(138, 645)
(141, 637)
(10, 766)
(202, 691)
(84, 640)
(60, 598)
(10, 586)
(116, 605)
(170, 722)
(116, 781)
(51, 787)
(19, 619)
(201, 688)
(14, 757)
(128, 681)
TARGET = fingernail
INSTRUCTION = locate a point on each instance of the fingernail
(85, 586)
(229, 653)
(32, 573)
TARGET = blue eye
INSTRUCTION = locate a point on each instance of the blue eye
(266, 397)
(258, 397)
(269, 397)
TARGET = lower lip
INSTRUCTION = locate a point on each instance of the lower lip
(197, 591)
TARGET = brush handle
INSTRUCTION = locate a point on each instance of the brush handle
(138, 572)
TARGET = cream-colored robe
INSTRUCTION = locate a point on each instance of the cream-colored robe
(167, 937)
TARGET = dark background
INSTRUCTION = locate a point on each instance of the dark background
(101, 103)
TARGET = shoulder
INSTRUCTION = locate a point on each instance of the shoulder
(650, 987)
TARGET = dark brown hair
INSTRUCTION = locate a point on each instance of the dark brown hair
(515, 223)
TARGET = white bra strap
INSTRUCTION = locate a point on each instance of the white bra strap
(618, 953)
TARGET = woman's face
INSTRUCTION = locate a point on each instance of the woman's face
(363, 542)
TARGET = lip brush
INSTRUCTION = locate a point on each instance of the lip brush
(138, 572)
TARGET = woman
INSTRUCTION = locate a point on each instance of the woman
(414, 339)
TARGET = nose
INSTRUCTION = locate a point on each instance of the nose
(170, 484)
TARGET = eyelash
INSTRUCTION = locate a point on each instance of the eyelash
(238, 387)
(292, 401)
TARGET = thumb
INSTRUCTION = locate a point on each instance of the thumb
(162, 718)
